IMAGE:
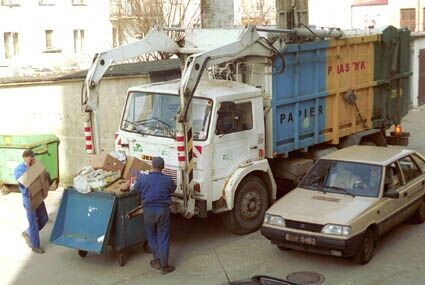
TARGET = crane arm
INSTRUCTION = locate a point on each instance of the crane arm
(249, 43)
(155, 41)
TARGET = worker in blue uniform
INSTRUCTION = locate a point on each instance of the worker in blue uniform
(156, 189)
(37, 218)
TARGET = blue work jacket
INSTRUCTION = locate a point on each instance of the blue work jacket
(155, 189)
(19, 170)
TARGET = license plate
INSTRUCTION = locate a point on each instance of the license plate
(300, 239)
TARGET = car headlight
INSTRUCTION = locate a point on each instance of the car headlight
(274, 220)
(338, 230)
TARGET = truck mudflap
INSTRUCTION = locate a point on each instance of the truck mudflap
(177, 207)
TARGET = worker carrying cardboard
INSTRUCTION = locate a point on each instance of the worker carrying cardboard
(36, 210)
(156, 189)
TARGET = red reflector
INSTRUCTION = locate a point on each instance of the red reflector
(181, 158)
(87, 129)
(180, 148)
(88, 138)
(197, 187)
(180, 139)
(89, 146)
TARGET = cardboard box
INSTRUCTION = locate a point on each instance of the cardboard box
(106, 162)
(35, 180)
(121, 185)
(133, 166)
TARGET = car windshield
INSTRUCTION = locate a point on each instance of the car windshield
(350, 178)
(155, 114)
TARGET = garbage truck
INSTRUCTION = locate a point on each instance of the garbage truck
(253, 107)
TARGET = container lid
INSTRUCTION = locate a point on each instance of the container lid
(84, 220)
(26, 141)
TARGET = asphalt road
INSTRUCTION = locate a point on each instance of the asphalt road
(204, 253)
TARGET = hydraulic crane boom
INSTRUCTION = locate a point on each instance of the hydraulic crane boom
(248, 43)
(155, 41)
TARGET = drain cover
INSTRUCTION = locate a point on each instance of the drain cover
(306, 278)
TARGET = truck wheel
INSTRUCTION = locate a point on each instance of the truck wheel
(367, 247)
(419, 216)
(250, 204)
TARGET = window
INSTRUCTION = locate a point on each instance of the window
(78, 41)
(78, 2)
(392, 179)
(409, 168)
(234, 118)
(11, 3)
(420, 162)
(11, 44)
(408, 19)
(49, 39)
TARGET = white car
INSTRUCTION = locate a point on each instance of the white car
(347, 200)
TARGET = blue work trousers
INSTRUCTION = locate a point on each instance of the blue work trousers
(37, 220)
(157, 226)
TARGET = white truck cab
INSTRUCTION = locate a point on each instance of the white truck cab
(228, 141)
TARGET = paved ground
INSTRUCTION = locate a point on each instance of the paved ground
(204, 253)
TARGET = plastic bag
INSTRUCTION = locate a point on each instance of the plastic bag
(81, 184)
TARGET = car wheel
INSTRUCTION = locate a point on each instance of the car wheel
(367, 247)
(251, 203)
(419, 215)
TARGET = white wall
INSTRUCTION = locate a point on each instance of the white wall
(31, 20)
(54, 108)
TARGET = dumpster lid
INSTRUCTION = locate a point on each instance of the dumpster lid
(84, 220)
(26, 141)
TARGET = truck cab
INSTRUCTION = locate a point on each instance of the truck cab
(228, 140)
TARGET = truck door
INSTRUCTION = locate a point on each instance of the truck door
(235, 138)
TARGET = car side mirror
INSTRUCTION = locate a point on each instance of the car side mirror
(392, 194)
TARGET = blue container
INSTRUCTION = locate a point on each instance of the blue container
(90, 222)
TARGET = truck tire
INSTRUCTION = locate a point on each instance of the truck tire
(250, 205)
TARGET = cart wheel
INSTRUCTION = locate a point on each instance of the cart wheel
(82, 253)
(121, 258)
(4, 189)
(146, 247)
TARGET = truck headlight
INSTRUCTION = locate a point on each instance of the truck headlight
(274, 220)
(338, 230)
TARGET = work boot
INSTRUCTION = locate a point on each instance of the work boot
(27, 239)
(155, 263)
(38, 250)
(167, 269)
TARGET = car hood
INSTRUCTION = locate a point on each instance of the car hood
(320, 208)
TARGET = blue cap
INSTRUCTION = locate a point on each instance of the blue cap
(158, 162)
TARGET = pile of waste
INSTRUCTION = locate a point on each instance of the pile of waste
(112, 172)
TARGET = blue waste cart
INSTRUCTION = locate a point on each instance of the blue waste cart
(89, 222)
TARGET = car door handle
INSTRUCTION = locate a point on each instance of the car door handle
(254, 147)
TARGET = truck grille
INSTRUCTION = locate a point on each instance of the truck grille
(171, 172)
(310, 227)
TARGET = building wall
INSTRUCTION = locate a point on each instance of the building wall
(418, 43)
(54, 108)
(31, 19)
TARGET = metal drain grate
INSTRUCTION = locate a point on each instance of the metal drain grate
(306, 278)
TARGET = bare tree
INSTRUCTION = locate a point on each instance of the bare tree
(132, 19)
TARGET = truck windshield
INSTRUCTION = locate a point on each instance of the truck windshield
(155, 114)
(350, 178)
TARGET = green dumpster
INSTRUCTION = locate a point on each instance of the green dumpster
(45, 148)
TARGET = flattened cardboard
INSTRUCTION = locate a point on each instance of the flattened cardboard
(32, 173)
(117, 186)
(106, 162)
(133, 166)
(35, 179)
